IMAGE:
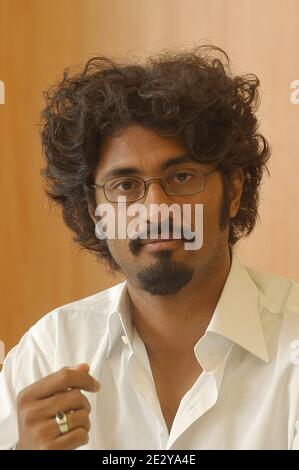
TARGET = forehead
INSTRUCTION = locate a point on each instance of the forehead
(138, 146)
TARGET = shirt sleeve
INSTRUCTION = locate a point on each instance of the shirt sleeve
(26, 363)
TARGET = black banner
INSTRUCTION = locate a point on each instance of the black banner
(149, 458)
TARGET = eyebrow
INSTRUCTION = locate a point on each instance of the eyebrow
(130, 170)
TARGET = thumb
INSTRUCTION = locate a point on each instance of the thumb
(82, 367)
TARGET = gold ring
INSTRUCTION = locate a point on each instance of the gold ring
(62, 422)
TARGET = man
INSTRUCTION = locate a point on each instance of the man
(192, 350)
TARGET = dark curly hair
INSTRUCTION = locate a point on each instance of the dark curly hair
(188, 94)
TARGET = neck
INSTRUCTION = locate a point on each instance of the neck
(174, 324)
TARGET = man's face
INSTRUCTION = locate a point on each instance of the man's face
(163, 268)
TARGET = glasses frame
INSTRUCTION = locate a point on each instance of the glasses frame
(148, 182)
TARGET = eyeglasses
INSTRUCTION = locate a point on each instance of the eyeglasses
(183, 182)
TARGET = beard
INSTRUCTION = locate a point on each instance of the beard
(165, 276)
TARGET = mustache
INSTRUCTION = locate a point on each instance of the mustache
(160, 230)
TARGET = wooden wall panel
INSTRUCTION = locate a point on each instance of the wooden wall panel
(41, 267)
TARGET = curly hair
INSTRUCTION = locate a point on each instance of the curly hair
(190, 94)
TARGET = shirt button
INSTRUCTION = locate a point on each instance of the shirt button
(125, 339)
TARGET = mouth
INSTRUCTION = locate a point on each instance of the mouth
(159, 244)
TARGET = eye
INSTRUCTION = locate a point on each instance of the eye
(125, 185)
(182, 177)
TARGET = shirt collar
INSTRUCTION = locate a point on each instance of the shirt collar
(236, 319)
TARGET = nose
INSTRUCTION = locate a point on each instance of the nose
(156, 196)
(155, 193)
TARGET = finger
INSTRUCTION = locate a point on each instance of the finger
(71, 440)
(48, 430)
(83, 367)
(66, 401)
(75, 419)
(78, 419)
(62, 380)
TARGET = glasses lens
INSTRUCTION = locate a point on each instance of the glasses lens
(184, 182)
(130, 187)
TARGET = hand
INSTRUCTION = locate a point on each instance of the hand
(40, 402)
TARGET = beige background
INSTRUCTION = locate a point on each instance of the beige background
(41, 268)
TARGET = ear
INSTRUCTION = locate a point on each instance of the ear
(235, 190)
(91, 213)
(91, 206)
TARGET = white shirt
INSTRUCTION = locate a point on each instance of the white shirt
(247, 396)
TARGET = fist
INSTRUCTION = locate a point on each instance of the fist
(38, 404)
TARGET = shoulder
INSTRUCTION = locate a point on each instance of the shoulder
(279, 313)
(75, 326)
(278, 294)
(98, 304)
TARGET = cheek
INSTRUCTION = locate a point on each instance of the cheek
(212, 209)
(115, 245)
(210, 201)
(118, 248)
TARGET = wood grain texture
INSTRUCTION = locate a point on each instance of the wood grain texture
(41, 268)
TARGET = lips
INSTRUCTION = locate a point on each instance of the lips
(157, 240)
(166, 244)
